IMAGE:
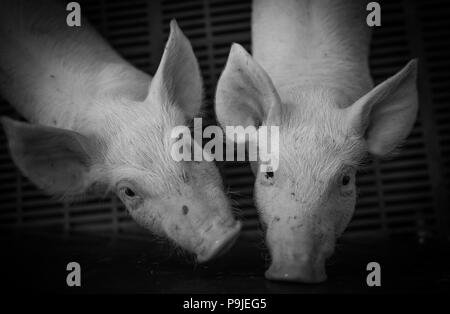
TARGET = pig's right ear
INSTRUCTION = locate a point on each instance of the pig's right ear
(245, 94)
(56, 160)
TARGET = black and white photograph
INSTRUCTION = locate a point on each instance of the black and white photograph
(225, 152)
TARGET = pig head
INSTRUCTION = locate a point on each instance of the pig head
(307, 202)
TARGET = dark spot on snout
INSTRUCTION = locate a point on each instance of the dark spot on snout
(276, 218)
(185, 210)
(52, 76)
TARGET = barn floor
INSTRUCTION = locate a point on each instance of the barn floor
(37, 262)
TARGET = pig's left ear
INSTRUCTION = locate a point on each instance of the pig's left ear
(177, 80)
(56, 160)
(386, 115)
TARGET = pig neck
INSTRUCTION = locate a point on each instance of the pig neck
(306, 45)
(58, 75)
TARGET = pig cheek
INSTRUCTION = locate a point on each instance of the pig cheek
(347, 209)
(133, 206)
(149, 218)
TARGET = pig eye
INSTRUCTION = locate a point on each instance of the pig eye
(129, 197)
(129, 192)
(345, 179)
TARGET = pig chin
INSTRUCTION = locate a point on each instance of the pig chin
(299, 256)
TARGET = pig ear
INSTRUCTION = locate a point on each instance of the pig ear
(56, 160)
(245, 93)
(177, 80)
(386, 115)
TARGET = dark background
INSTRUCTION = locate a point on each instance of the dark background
(401, 200)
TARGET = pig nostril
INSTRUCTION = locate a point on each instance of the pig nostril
(185, 210)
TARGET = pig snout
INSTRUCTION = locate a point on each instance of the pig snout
(299, 256)
(304, 268)
(218, 238)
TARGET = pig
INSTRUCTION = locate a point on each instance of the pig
(99, 124)
(309, 75)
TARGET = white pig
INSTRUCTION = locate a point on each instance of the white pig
(309, 75)
(97, 122)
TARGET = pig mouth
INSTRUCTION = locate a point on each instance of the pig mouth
(297, 274)
(304, 268)
(219, 245)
